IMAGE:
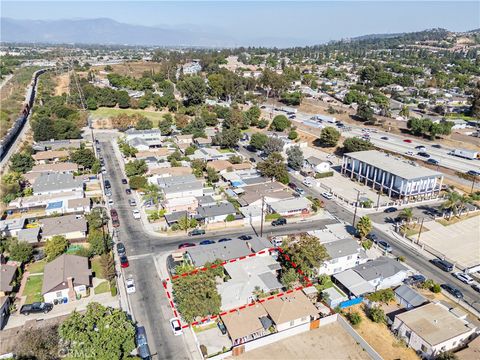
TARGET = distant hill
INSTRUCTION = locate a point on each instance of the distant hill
(104, 31)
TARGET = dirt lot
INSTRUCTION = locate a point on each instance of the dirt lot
(381, 339)
(63, 82)
(135, 69)
(328, 342)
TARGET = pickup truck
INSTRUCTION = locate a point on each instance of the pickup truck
(36, 307)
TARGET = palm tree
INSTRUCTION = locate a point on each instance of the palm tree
(152, 193)
(452, 203)
(407, 215)
(462, 203)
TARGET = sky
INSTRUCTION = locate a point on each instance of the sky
(302, 22)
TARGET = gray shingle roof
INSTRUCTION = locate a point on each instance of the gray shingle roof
(341, 248)
(55, 182)
(57, 272)
(174, 188)
(62, 225)
(410, 296)
(224, 251)
(216, 210)
(29, 235)
(382, 267)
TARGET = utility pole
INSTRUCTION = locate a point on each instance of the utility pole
(261, 223)
(420, 231)
(378, 200)
(356, 206)
(473, 183)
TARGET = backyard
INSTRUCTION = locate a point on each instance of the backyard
(97, 267)
(33, 289)
(37, 267)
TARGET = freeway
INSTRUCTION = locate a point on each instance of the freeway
(413, 258)
(396, 143)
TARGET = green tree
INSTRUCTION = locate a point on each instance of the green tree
(475, 108)
(365, 113)
(289, 278)
(97, 244)
(292, 135)
(384, 296)
(354, 318)
(295, 157)
(107, 266)
(138, 182)
(272, 145)
(97, 218)
(144, 124)
(405, 112)
(194, 89)
(92, 103)
(274, 167)
(407, 215)
(364, 226)
(280, 123)
(228, 138)
(230, 217)
(376, 314)
(43, 128)
(20, 250)
(356, 144)
(253, 115)
(212, 176)
(446, 355)
(101, 332)
(83, 157)
(329, 136)
(55, 247)
(307, 252)
(456, 203)
(258, 140)
(123, 99)
(235, 159)
(42, 343)
(136, 167)
(21, 163)
(165, 125)
(292, 98)
(152, 194)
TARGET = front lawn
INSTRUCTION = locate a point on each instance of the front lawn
(37, 267)
(96, 267)
(33, 289)
(101, 288)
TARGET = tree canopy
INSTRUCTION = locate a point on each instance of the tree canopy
(329, 136)
(307, 252)
(274, 167)
(280, 123)
(295, 157)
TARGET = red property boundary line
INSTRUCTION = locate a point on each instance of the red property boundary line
(213, 317)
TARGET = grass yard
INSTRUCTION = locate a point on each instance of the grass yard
(101, 288)
(33, 289)
(37, 267)
(96, 267)
(224, 151)
(413, 229)
(455, 219)
(198, 329)
(105, 113)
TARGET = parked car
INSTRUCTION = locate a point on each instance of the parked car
(437, 146)
(124, 181)
(390, 209)
(327, 195)
(307, 182)
(121, 251)
(245, 237)
(423, 154)
(124, 261)
(130, 285)
(224, 239)
(35, 308)
(110, 202)
(382, 244)
(415, 280)
(136, 214)
(196, 232)
(465, 278)
(107, 184)
(433, 161)
(142, 344)
(476, 287)
(132, 202)
(300, 191)
(442, 264)
(372, 236)
(452, 290)
(279, 222)
(128, 191)
(207, 242)
(222, 328)
(176, 326)
(186, 245)
(252, 160)
(292, 186)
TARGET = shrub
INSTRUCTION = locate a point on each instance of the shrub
(376, 314)
(436, 288)
(113, 288)
(230, 217)
(384, 296)
(323, 175)
(354, 318)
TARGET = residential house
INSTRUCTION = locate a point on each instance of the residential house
(313, 164)
(344, 254)
(187, 203)
(203, 142)
(176, 180)
(31, 235)
(150, 138)
(8, 276)
(56, 145)
(80, 205)
(54, 183)
(61, 167)
(215, 213)
(66, 277)
(156, 173)
(247, 324)
(70, 226)
(183, 139)
(205, 200)
(11, 227)
(291, 207)
(432, 329)
(175, 217)
(194, 189)
(383, 272)
(158, 153)
(268, 192)
(352, 283)
(209, 154)
(139, 144)
(44, 157)
(4, 310)
(248, 277)
(291, 310)
(222, 166)
(408, 297)
(41, 201)
(334, 296)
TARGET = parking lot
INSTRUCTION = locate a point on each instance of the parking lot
(315, 344)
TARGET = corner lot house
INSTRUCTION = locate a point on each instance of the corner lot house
(70, 226)
(54, 183)
(291, 310)
(344, 254)
(432, 329)
(66, 277)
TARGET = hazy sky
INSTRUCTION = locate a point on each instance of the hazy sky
(295, 21)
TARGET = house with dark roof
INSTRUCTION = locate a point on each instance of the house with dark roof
(408, 297)
(66, 277)
(54, 183)
(8, 274)
(382, 273)
(70, 226)
(215, 213)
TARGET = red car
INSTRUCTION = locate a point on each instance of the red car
(407, 141)
(124, 261)
(185, 245)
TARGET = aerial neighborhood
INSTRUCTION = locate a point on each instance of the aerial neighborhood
(262, 202)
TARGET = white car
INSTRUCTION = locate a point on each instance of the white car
(327, 195)
(176, 326)
(130, 285)
(136, 214)
(307, 182)
(110, 202)
(465, 278)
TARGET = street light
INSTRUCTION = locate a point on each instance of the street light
(356, 205)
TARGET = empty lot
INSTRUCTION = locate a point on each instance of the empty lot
(328, 342)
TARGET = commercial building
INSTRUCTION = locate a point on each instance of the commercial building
(397, 178)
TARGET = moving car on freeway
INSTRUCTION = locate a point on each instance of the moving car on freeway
(207, 242)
